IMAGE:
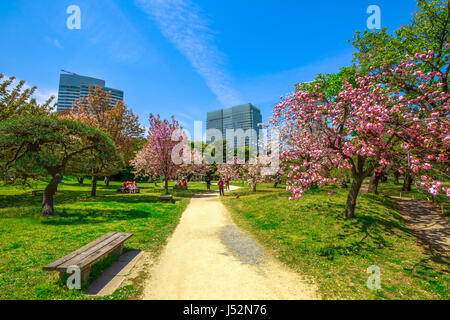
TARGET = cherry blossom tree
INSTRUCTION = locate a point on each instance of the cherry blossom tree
(424, 131)
(232, 169)
(414, 61)
(155, 158)
(358, 129)
(254, 173)
(143, 168)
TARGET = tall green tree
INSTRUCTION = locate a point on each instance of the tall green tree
(16, 100)
(330, 84)
(429, 30)
(116, 120)
(48, 147)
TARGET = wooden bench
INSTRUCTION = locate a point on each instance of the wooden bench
(166, 197)
(109, 244)
(35, 192)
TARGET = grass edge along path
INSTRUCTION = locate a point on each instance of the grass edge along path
(28, 241)
(312, 237)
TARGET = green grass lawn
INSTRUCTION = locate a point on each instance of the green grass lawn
(312, 237)
(28, 242)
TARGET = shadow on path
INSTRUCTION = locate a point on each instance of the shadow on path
(426, 222)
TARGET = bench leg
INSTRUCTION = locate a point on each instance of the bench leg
(85, 275)
(118, 251)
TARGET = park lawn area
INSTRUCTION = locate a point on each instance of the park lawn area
(312, 237)
(28, 241)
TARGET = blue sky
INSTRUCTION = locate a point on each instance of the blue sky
(184, 58)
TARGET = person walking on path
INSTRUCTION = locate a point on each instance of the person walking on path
(220, 184)
(227, 184)
(208, 184)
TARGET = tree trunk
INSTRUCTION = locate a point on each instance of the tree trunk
(407, 182)
(373, 184)
(396, 178)
(80, 180)
(253, 187)
(351, 199)
(49, 192)
(166, 185)
(107, 180)
(275, 184)
(94, 186)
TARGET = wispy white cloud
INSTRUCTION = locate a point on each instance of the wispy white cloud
(106, 26)
(54, 42)
(41, 95)
(57, 43)
(183, 24)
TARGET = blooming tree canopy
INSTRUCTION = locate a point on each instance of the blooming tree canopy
(358, 128)
(231, 170)
(254, 173)
(155, 158)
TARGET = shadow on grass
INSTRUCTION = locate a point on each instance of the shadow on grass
(69, 197)
(424, 270)
(368, 231)
(97, 216)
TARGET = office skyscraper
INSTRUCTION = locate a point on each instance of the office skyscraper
(72, 87)
(244, 117)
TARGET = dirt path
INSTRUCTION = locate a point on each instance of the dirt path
(209, 258)
(423, 218)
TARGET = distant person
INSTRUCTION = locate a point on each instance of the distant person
(220, 184)
(185, 184)
(208, 184)
(124, 188)
(227, 184)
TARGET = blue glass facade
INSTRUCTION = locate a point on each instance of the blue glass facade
(244, 117)
(72, 87)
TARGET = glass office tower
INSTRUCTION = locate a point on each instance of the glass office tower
(244, 117)
(72, 87)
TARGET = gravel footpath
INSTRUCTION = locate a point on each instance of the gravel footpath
(241, 246)
(209, 258)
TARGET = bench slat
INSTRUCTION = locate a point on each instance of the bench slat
(54, 265)
(85, 253)
(85, 258)
(103, 251)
